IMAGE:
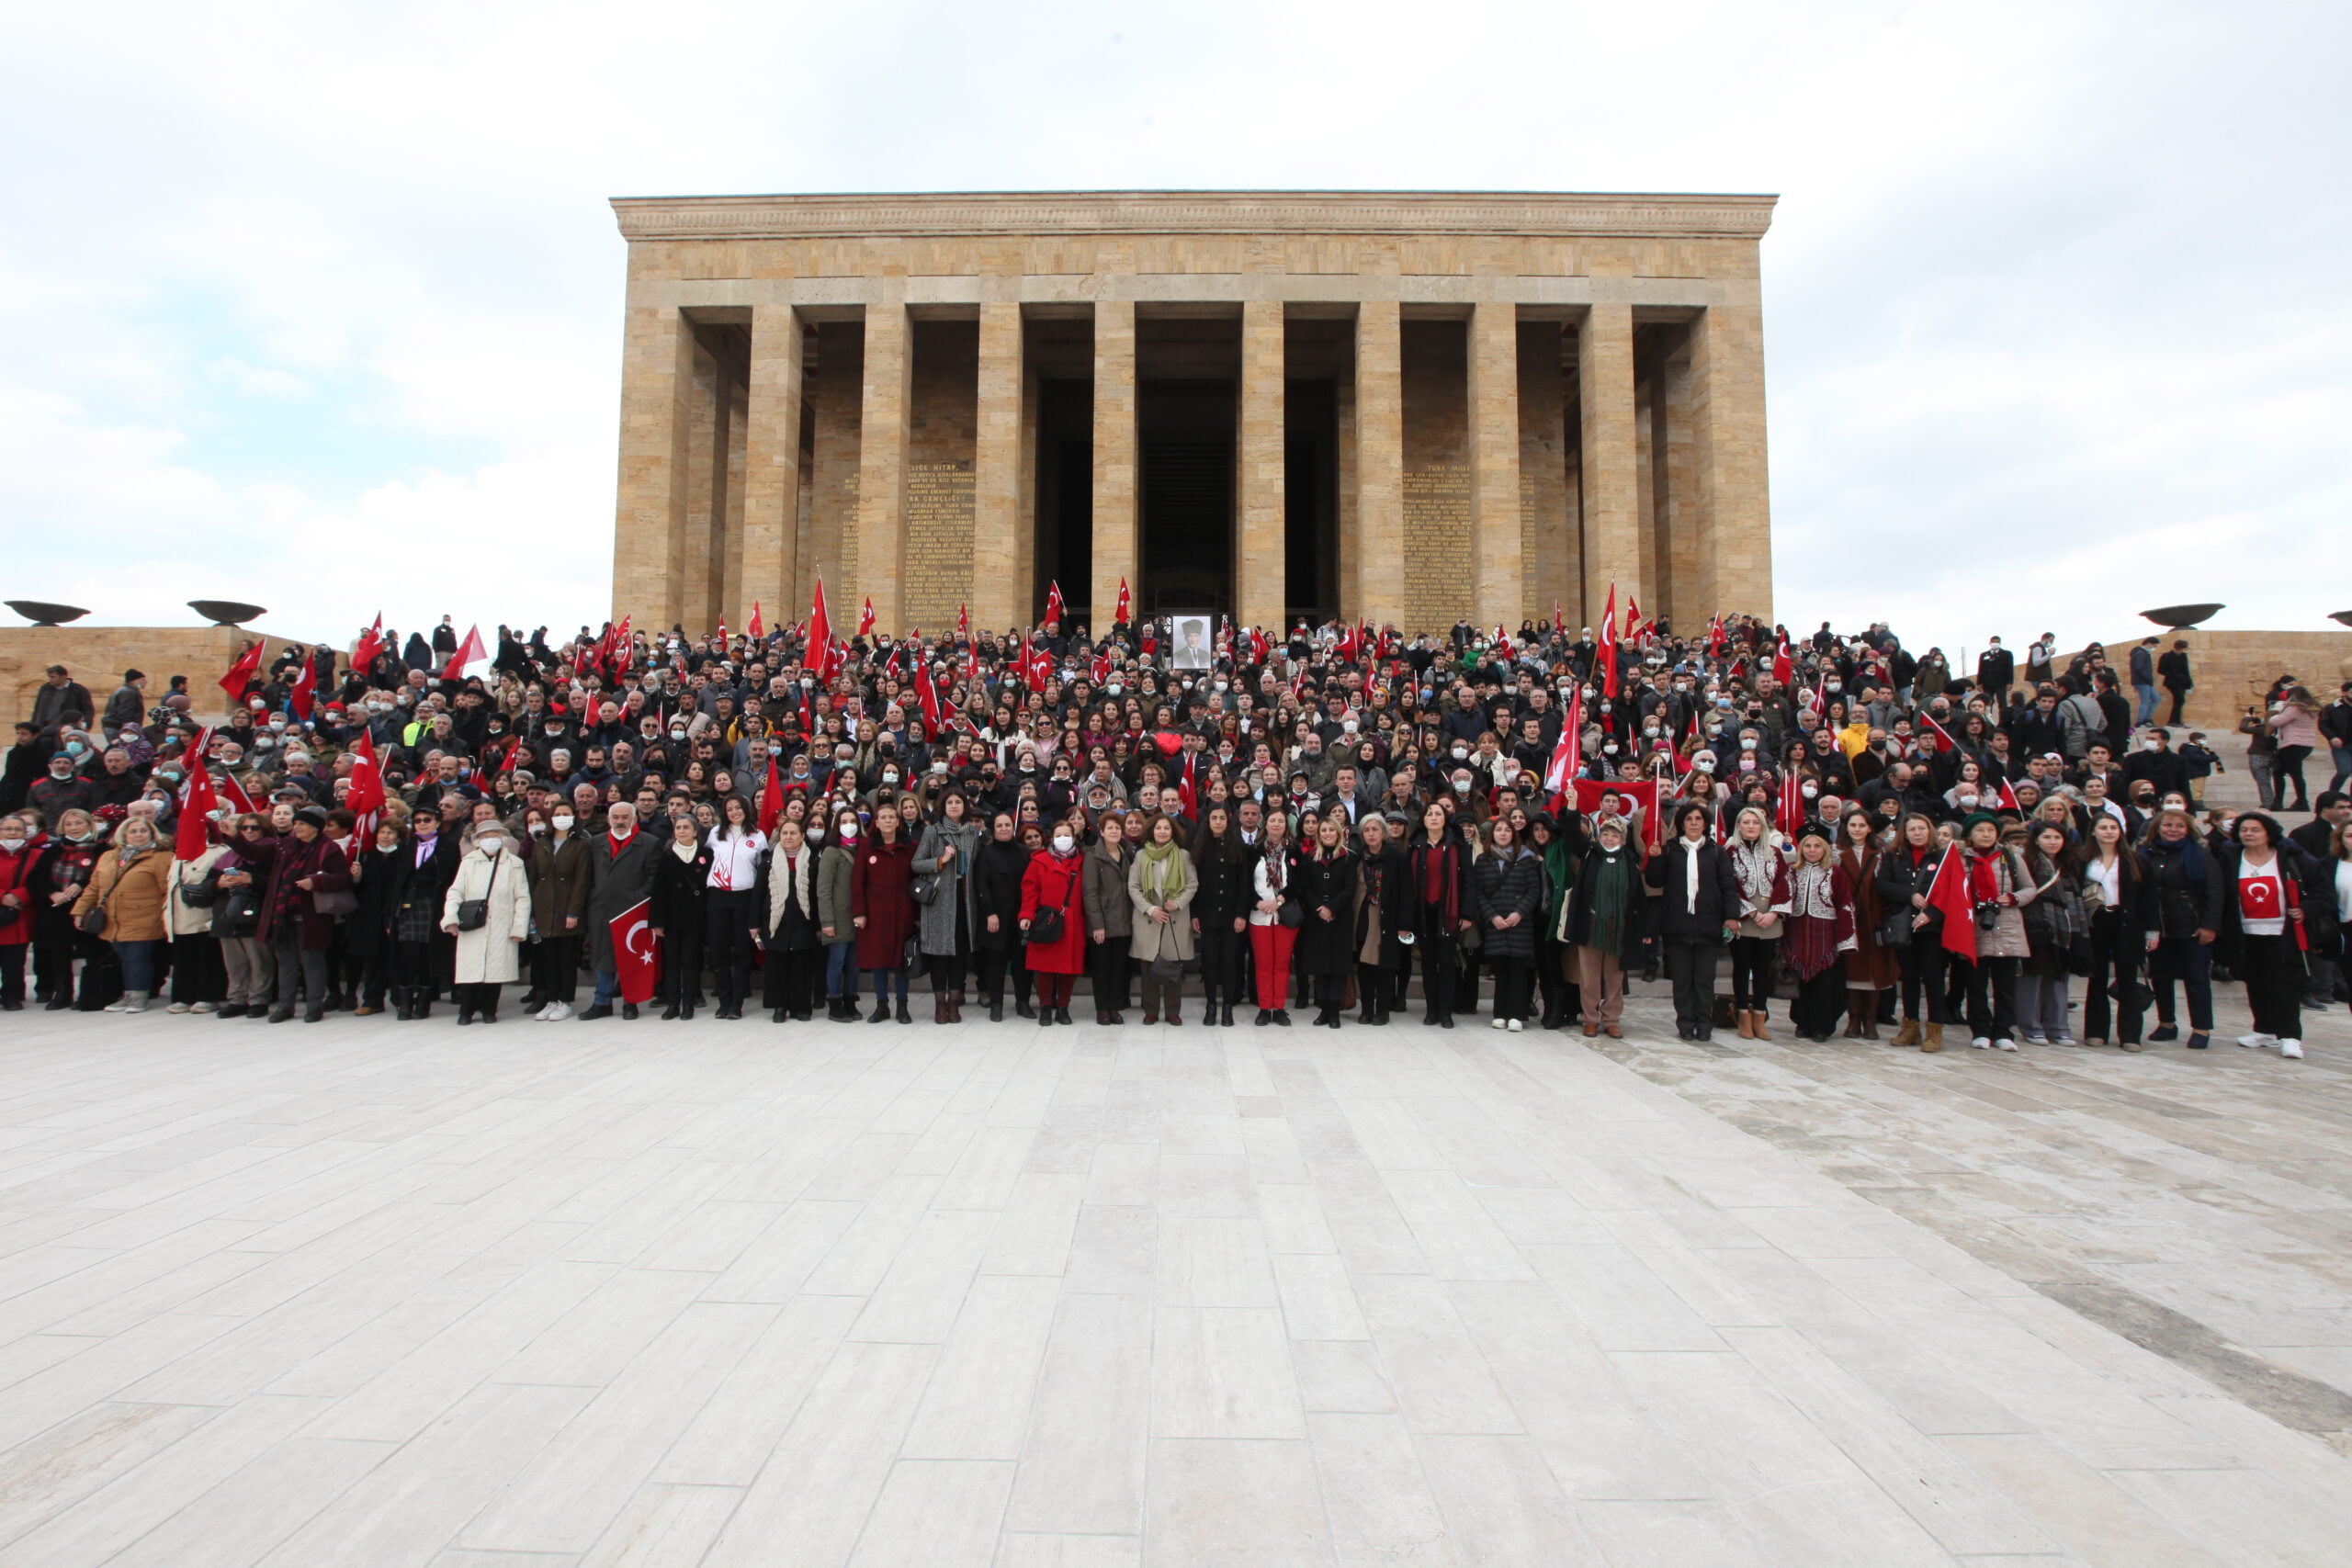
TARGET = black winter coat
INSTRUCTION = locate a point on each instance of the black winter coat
(996, 890)
(1682, 916)
(1500, 888)
(2314, 880)
(1225, 892)
(1898, 879)
(2187, 892)
(680, 890)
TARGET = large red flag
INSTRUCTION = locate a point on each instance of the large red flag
(756, 629)
(927, 693)
(1568, 756)
(303, 697)
(1950, 894)
(370, 644)
(1784, 663)
(772, 797)
(963, 623)
(1944, 742)
(818, 652)
(637, 952)
(198, 802)
(470, 651)
(2009, 801)
(1055, 603)
(365, 796)
(1124, 600)
(248, 664)
(866, 616)
(1607, 651)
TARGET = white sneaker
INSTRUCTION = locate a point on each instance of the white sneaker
(541, 1016)
(1497, 1024)
(177, 1006)
(118, 1005)
(1982, 1043)
(557, 1012)
(1516, 1027)
(2005, 1045)
(2256, 1042)
(2292, 1049)
(206, 1007)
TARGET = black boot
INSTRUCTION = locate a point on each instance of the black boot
(996, 1008)
(1024, 1008)
(903, 1015)
(1224, 1015)
(881, 1012)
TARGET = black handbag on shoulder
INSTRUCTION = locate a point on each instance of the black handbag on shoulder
(474, 913)
(1046, 926)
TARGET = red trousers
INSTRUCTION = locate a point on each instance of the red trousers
(1270, 944)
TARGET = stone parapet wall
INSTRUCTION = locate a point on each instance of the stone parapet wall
(96, 657)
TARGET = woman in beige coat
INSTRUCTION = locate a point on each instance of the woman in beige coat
(490, 956)
(128, 884)
(1161, 881)
(198, 982)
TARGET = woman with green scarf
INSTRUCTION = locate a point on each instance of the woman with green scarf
(1562, 847)
(1160, 883)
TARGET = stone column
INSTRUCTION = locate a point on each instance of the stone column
(1495, 533)
(882, 470)
(656, 465)
(1259, 586)
(996, 472)
(1546, 535)
(1379, 588)
(1117, 536)
(772, 469)
(1726, 403)
(1609, 464)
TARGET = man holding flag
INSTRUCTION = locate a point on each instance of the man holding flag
(620, 896)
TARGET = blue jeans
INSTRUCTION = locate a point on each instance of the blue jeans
(137, 960)
(608, 987)
(2342, 757)
(841, 969)
(2144, 705)
(882, 978)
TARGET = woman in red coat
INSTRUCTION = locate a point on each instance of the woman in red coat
(1054, 881)
(883, 908)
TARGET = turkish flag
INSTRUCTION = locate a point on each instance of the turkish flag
(866, 616)
(1123, 601)
(2259, 898)
(1640, 798)
(637, 952)
(1568, 756)
(198, 802)
(1101, 668)
(772, 799)
(818, 652)
(2010, 799)
(1055, 603)
(371, 643)
(1607, 651)
(1950, 894)
(365, 796)
(1784, 664)
(303, 698)
(470, 651)
(248, 664)
(927, 692)
(757, 628)
(963, 623)
(1944, 742)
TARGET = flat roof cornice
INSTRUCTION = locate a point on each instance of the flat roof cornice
(1541, 213)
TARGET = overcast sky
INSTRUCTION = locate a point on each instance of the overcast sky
(320, 306)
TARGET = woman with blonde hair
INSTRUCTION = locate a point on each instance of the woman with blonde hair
(128, 891)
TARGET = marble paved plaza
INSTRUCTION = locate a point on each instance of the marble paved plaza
(554, 1296)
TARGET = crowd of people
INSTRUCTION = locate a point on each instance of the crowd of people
(783, 820)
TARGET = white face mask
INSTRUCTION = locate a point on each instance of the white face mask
(563, 820)
(490, 845)
(1062, 842)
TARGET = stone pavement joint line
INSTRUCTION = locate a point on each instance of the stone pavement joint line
(584, 1296)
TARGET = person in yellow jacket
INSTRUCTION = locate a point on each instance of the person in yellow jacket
(128, 887)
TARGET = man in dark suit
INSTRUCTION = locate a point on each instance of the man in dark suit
(1996, 671)
(620, 874)
(1698, 915)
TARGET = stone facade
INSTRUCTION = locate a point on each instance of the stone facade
(96, 657)
(1482, 405)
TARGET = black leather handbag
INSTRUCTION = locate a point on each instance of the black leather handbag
(474, 913)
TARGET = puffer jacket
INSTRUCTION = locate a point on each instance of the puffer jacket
(1504, 886)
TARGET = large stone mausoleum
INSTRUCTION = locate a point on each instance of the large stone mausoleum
(1413, 407)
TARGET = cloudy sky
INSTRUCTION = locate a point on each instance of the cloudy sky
(320, 306)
